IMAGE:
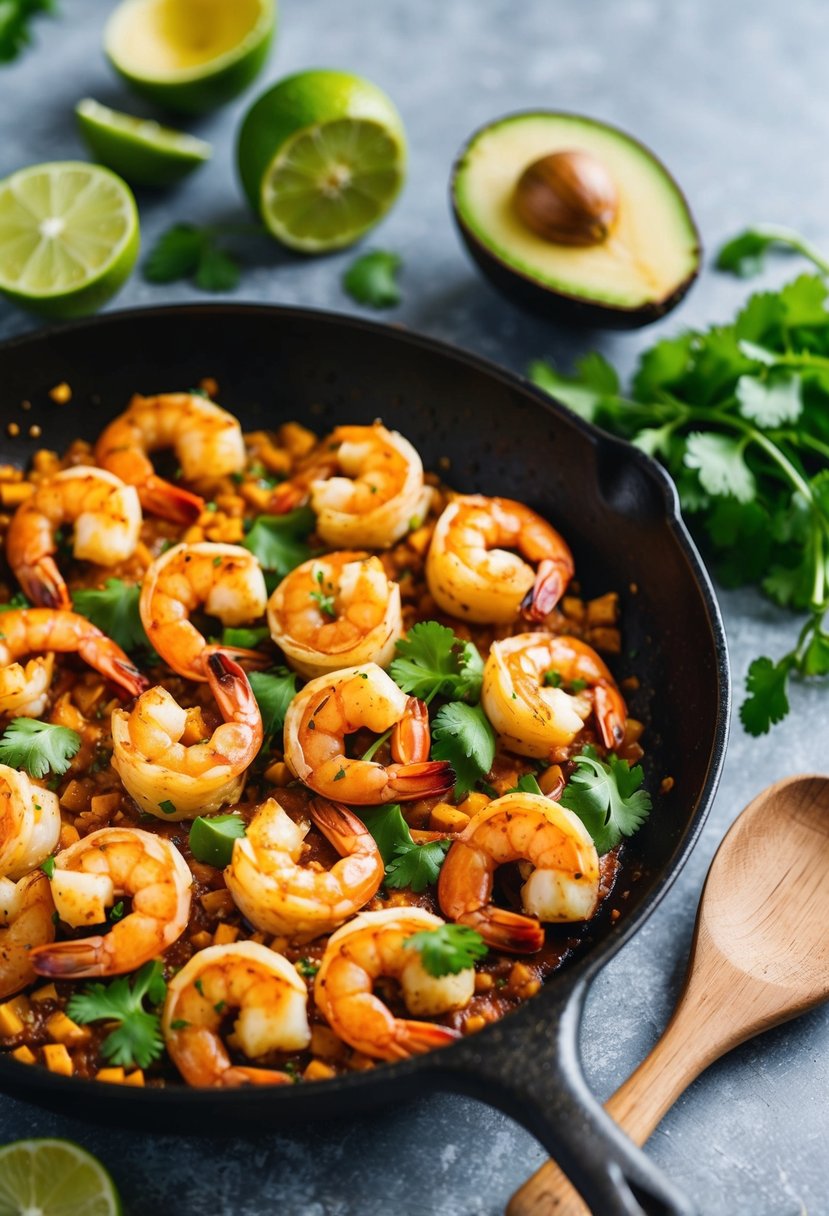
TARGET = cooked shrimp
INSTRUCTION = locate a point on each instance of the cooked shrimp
(335, 705)
(106, 516)
(26, 921)
(171, 780)
(277, 893)
(473, 568)
(206, 439)
(563, 885)
(525, 694)
(90, 876)
(374, 945)
(29, 823)
(225, 580)
(272, 1002)
(336, 611)
(42, 631)
(379, 491)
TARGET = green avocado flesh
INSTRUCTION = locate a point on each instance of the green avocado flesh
(653, 248)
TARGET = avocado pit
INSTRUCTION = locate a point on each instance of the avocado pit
(567, 197)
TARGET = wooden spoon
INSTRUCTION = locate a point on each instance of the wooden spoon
(760, 956)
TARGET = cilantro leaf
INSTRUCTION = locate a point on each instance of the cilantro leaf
(583, 393)
(744, 255)
(464, 737)
(17, 601)
(247, 639)
(278, 541)
(770, 402)
(528, 784)
(137, 1040)
(371, 279)
(15, 16)
(767, 702)
(447, 949)
(387, 826)
(720, 464)
(187, 252)
(607, 798)
(417, 866)
(114, 609)
(274, 691)
(38, 747)
(432, 661)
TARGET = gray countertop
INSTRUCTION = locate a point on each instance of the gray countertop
(732, 96)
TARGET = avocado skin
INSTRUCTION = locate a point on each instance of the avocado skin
(560, 306)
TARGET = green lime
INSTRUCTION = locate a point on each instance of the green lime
(211, 840)
(190, 55)
(322, 157)
(69, 237)
(54, 1178)
(141, 150)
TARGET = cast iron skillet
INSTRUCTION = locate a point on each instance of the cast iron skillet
(499, 436)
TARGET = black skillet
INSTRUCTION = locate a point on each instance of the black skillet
(489, 432)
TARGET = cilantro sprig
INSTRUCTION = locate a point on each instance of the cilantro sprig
(607, 798)
(447, 949)
(136, 1040)
(15, 18)
(274, 691)
(463, 736)
(408, 864)
(278, 542)
(431, 661)
(371, 279)
(187, 252)
(38, 747)
(114, 609)
(738, 414)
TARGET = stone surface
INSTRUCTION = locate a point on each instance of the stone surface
(731, 96)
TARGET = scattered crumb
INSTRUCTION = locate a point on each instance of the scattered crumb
(666, 785)
(13, 429)
(61, 394)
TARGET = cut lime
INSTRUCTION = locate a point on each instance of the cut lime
(54, 1178)
(68, 237)
(141, 150)
(190, 55)
(322, 157)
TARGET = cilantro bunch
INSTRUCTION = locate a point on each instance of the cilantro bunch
(739, 414)
(135, 1038)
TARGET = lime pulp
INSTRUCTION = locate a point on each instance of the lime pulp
(54, 1178)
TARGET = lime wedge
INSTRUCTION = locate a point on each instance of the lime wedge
(190, 55)
(322, 157)
(69, 237)
(54, 1178)
(141, 150)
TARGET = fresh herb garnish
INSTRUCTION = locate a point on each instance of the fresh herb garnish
(274, 691)
(137, 1039)
(744, 255)
(38, 747)
(278, 541)
(432, 661)
(738, 413)
(371, 279)
(247, 639)
(607, 798)
(408, 864)
(326, 603)
(17, 601)
(48, 867)
(187, 252)
(15, 16)
(168, 807)
(114, 609)
(527, 784)
(447, 949)
(307, 968)
(463, 736)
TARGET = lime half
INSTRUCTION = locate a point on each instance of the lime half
(54, 1178)
(322, 157)
(190, 55)
(69, 237)
(141, 150)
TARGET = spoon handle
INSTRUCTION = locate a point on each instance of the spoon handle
(637, 1106)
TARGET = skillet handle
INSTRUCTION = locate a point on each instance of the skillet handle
(536, 1078)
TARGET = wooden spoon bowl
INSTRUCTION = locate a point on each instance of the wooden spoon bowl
(759, 957)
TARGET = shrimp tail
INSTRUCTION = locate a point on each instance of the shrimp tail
(340, 826)
(232, 690)
(287, 497)
(410, 738)
(74, 959)
(505, 930)
(129, 677)
(550, 584)
(160, 497)
(429, 779)
(415, 1038)
(238, 1075)
(611, 714)
(44, 585)
(109, 659)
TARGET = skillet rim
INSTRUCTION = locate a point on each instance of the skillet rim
(573, 979)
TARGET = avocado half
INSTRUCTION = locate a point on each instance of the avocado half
(637, 274)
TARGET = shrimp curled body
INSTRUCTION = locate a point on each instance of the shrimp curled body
(26, 921)
(272, 1002)
(474, 572)
(336, 611)
(206, 439)
(562, 886)
(373, 945)
(525, 694)
(333, 706)
(106, 516)
(225, 580)
(279, 895)
(43, 632)
(90, 876)
(168, 778)
(29, 823)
